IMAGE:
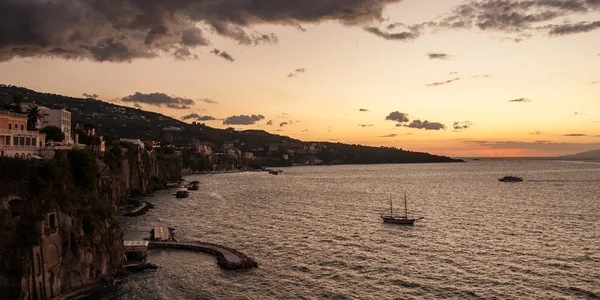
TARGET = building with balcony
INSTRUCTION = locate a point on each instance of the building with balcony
(60, 118)
(15, 139)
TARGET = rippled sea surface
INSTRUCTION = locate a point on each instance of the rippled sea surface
(316, 234)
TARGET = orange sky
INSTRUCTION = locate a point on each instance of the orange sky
(346, 68)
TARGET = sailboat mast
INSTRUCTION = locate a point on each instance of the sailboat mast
(405, 209)
(391, 208)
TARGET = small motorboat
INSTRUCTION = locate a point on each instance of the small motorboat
(193, 186)
(182, 194)
(510, 179)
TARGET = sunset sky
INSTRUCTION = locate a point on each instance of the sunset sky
(475, 78)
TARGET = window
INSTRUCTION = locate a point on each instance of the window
(33, 141)
(27, 142)
(16, 126)
(9, 126)
(22, 127)
(52, 221)
(15, 140)
(22, 141)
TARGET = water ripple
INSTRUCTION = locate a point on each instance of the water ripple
(316, 234)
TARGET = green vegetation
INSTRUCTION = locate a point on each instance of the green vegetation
(34, 114)
(53, 133)
(67, 183)
(112, 120)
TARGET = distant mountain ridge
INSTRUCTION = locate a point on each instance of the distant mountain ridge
(126, 122)
(593, 154)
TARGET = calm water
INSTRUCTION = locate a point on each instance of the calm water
(316, 233)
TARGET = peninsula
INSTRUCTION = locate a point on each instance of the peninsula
(205, 148)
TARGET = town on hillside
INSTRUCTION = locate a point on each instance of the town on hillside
(35, 125)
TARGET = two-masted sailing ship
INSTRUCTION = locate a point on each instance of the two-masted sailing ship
(402, 220)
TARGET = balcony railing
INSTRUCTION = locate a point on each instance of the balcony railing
(13, 114)
(20, 132)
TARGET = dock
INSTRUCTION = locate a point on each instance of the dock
(227, 258)
(139, 210)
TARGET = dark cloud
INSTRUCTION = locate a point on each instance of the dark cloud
(90, 96)
(363, 110)
(433, 55)
(566, 29)
(206, 118)
(305, 130)
(443, 82)
(283, 124)
(579, 113)
(243, 119)
(296, 72)
(536, 133)
(481, 76)
(399, 36)
(365, 125)
(520, 100)
(270, 122)
(208, 100)
(397, 117)
(222, 54)
(137, 105)
(520, 16)
(453, 73)
(124, 30)
(190, 116)
(462, 125)
(575, 134)
(388, 135)
(159, 99)
(595, 81)
(425, 125)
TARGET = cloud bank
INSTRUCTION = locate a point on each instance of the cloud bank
(403, 120)
(91, 96)
(443, 82)
(243, 119)
(159, 99)
(124, 30)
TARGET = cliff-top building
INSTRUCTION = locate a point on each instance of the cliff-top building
(60, 118)
(15, 139)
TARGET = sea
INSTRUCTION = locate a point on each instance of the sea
(316, 233)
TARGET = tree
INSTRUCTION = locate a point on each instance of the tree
(34, 113)
(53, 133)
(18, 98)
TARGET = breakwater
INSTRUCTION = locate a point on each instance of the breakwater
(227, 258)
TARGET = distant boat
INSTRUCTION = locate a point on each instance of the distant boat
(475, 158)
(193, 186)
(182, 194)
(511, 179)
(275, 172)
(402, 220)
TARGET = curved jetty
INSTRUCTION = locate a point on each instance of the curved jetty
(139, 210)
(227, 258)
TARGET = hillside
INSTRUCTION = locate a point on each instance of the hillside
(593, 154)
(112, 120)
(127, 122)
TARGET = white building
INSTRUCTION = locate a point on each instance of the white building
(60, 118)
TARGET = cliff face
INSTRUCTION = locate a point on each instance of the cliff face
(57, 229)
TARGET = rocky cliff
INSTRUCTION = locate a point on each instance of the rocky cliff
(57, 226)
